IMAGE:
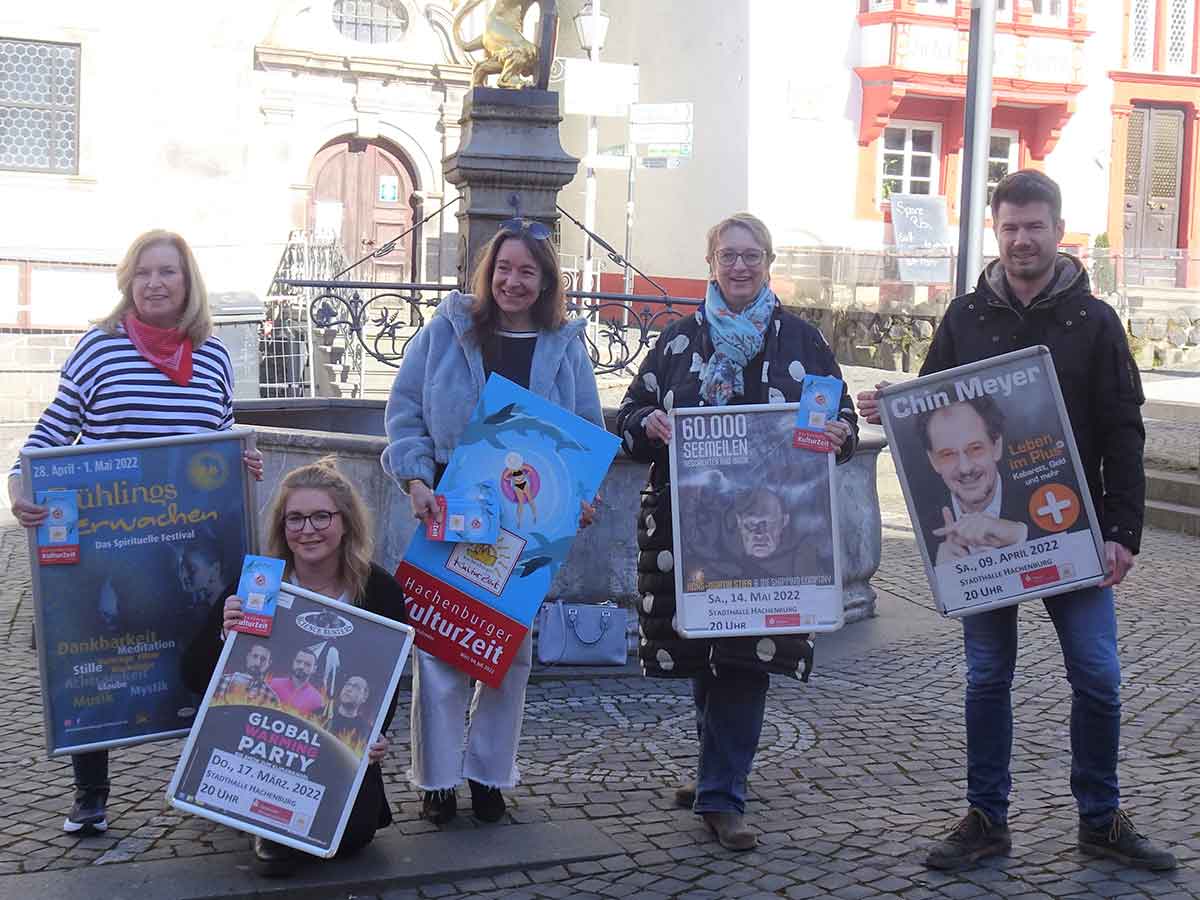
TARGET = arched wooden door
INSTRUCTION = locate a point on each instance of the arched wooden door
(363, 192)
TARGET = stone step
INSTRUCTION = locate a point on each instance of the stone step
(1172, 411)
(1173, 487)
(1173, 517)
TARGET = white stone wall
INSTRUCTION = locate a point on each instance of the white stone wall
(204, 118)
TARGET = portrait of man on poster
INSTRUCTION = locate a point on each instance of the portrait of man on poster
(348, 720)
(251, 685)
(296, 690)
(964, 443)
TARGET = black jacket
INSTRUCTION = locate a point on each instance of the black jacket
(382, 596)
(667, 380)
(1101, 386)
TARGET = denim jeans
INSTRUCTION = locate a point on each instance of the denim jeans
(1087, 631)
(90, 769)
(729, 718)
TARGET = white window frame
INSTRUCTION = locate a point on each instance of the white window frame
(906, 178)
(1145, 64)
(1014, 149)
(1183, 67)
(937, 7)
(1047, 18)
(881, 6)
(1005, 13)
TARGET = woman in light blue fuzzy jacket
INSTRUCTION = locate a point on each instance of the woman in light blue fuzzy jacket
(515, 325)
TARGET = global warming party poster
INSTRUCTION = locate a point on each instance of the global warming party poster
(281, 743)
(159, 528)
(472, 604)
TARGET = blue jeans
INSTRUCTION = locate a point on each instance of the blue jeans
(1086, 622)
(729, 718)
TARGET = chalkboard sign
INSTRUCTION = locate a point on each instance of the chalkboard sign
(919, 222)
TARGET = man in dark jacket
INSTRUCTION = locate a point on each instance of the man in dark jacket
(1033, 295)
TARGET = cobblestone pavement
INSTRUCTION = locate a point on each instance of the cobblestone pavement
(857, 771)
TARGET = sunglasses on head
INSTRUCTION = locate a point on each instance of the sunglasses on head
(535, 230)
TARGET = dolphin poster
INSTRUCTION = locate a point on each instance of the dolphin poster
(472, 604)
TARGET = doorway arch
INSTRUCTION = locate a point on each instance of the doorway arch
(364, 192)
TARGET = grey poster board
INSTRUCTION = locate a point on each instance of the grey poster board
(993, 482)
(260, 757)
(162, 526)
(755, 525)
(919, 224)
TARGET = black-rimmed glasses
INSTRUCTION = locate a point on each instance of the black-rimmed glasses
(320, 520)
(535, 230)
(727, 259)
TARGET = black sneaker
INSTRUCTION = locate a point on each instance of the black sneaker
(973, 839)
(88, 815)
(486, 802)
(1119, 840)
(439, 807)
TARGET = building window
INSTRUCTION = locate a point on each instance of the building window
(1180, 18)
(39, 106)
(937, 7)
(909, 159)
(1002, 158)
(1004, 10)
(1049, 12)
(371, 21)
(1141, 35)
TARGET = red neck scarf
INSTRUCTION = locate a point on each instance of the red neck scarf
(169, 349)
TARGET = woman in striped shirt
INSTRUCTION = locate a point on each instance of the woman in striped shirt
(150, 368)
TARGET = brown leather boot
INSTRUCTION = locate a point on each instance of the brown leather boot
(730, 829)
(685, 796)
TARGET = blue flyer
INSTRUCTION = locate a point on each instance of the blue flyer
(58, 536)
(820, 398)
(471, 604)
(259, 587)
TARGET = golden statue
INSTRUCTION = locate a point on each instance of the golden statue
(507, 51)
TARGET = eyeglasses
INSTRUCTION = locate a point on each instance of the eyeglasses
(320, 520)
(727, 259)
(535, 230)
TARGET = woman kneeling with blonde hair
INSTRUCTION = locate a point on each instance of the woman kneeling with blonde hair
(319, 525)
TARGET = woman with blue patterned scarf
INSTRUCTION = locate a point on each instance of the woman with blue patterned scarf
(740, 347)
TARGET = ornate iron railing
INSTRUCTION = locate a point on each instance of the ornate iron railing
(622, 326)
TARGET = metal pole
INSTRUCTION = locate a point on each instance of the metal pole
(593, 148)
(977, 129)
(632, 152)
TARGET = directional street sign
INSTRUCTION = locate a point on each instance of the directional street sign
(661, 133)
(660, 113)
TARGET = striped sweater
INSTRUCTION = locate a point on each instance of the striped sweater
(108, 391)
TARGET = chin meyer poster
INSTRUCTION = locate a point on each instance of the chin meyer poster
(993, 482)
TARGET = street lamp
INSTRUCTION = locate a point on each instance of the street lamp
(591, 25)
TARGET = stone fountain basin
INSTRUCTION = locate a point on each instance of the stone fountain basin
(602, 564)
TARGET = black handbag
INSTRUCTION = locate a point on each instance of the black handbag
(582, 634)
